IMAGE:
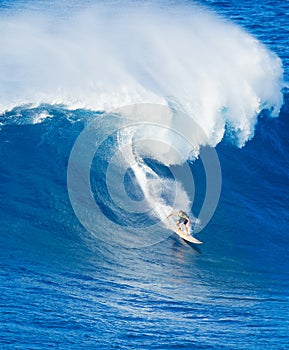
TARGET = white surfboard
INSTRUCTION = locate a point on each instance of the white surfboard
(186, 237)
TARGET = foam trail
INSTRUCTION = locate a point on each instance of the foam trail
(151, 184)
(110, 56)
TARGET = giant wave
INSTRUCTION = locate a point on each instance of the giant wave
(185, 59)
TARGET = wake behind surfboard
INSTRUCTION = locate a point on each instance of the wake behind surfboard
(188, 238)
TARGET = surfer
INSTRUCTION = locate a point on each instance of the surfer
(183, 219)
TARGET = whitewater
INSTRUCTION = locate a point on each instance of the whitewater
(104, 58)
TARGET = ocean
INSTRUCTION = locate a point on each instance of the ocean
(113, 115)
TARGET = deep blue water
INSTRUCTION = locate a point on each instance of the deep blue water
(63, 288)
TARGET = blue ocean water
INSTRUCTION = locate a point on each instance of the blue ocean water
(72, 278)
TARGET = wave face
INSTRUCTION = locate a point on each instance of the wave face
(131, 113)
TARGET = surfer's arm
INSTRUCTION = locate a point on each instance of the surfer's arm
(171, 214)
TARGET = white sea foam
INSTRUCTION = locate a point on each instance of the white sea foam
(40, 117)
(111, 56)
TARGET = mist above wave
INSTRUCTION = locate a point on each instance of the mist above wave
(109, 56)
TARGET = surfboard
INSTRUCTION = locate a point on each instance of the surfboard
(188, 238)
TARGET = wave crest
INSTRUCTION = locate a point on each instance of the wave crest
(105, 58)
